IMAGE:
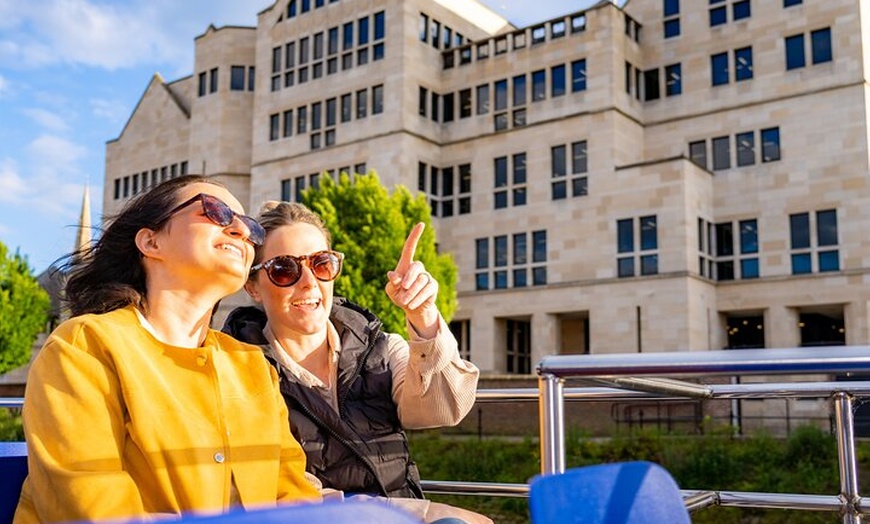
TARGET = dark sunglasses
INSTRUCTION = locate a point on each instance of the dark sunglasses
(219, 213)
(286, 270)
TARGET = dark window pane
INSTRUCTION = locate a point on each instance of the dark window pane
(500, 200)
(501, 95)
(698, 153)
(719, 69)
(673, 80)
(521, 277)
(649, 265)
(578, 157)
(560, 190)
(829, 260)
(539, 246)
(821, 44)
(519, 168)
(482, 99)
(826, 224)
(741, 10)
(625, 235)
(770, 145)
(579, 187)
(557, 81)
(748, 236)
(501, 280)
(481, 281)
(539, 276)
(625, 267)
(801, 264)
(672, 28)
(578, 75)
(558, 160)
(724, 240)
(520, 246)
(237, 78)
(482, 253)
(745, 149)
(718, 16)
(721, 153)
(725, 270)
(539, 85)
(749, 268)
(501, 250)
(649, 233)
(651, 84)
(800, 230)
(743, 64)
(519, 90)
(671, 7)
(794, 52)
(500, 167)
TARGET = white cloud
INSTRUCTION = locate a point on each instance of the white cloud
(13, 188)
(111, 110)
(113, 35)
(5, 87)
(54, 154)
(47, 119)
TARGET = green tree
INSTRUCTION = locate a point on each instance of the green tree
(369, 225)
(24, 307)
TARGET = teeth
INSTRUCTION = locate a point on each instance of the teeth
(307, 302)
(231, 247)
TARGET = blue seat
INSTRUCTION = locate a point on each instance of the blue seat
(346, 512)
(620, 493)
(13, 469)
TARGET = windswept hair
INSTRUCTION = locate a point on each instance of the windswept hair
(109, 274)
(274, 214)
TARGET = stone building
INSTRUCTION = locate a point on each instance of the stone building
(661, 176)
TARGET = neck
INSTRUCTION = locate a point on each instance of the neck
(311, 351)
(179, 318)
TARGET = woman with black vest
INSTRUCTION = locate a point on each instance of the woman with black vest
(351, 388)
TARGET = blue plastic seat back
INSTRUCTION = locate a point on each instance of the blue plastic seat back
(346, 512)
(620, 493)
(13, 469)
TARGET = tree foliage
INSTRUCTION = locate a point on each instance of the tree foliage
(369, 225)
(24, 307)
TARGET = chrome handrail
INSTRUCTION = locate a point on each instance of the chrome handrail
(656, 372)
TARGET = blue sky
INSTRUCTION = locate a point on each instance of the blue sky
(71, 72)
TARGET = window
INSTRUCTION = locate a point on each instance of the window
(628, 258)
(347, 36)
(288, 123)
(651, 84)
(202, 79)
(422, 101)
(213, 80)
(721, 153)
(741, 10)
(718, 13)
(745, 149)
(301, 120)
(671, 13)
(465, 103)
(719, 69)
(794, 52)
(237, 78)
(346, 108)
(698, 153)
(361, 103)
(274, 126)
(557, 81)
(821, 246)
(770, 145)
(742, 64)
(673, 80)
(461, 330)
(377, 99)
(518, 334)
(519, 90)
(743, 256)
(560, 179)
(482, 99)
(501, 95)
(789, 3)
(820, 41)
(539, 85)
(578, 75)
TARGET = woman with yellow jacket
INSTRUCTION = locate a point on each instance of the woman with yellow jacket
(135, 408)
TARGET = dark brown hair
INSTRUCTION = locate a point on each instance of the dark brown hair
(109, 274)
(274, 214)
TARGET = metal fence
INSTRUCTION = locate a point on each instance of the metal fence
(662, 376)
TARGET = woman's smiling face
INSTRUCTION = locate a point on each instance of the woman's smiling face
(303, 308)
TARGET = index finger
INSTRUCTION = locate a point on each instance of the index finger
(410, 247)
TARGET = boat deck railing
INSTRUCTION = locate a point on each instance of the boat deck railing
(680, 376)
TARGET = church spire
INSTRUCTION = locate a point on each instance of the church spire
(83, 238)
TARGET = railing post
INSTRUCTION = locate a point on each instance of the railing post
(551, 406)
(845, 425)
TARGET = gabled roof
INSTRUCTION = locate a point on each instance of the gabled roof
(157, 79)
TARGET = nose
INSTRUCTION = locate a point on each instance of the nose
(307, 278)
(238, 229)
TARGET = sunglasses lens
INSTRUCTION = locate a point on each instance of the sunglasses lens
(284, 271)
(326, 266)
(257, 233)
(217, 211)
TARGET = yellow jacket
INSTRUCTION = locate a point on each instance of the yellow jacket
(120, 425)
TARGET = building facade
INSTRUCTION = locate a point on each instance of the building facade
(663, 176)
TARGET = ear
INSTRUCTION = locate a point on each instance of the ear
(251, 288)
(147, 243)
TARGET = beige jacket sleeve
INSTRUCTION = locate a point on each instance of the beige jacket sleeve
(432, 385)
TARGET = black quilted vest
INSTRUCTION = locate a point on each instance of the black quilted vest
(362, 448)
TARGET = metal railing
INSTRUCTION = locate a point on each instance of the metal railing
(653, 376)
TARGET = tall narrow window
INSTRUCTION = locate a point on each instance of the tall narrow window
(743, 64)
(578, 75)
(795, 57)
